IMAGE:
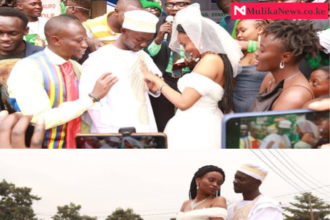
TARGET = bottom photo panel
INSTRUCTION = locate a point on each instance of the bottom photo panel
(165, 185)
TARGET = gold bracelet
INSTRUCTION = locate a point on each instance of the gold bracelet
(161, 87)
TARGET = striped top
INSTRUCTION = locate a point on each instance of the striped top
(55, 88)
(99, 29)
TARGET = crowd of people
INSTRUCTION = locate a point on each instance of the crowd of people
(142, 70)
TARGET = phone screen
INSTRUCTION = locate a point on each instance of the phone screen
(120, 142)
(283, 131)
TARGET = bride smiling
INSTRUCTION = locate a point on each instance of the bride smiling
(205, 202)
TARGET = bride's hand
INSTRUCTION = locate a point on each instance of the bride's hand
(146, 73)
(153, 81)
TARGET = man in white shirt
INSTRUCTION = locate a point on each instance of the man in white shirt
(33, 9)
(127, 104)
(254, 206)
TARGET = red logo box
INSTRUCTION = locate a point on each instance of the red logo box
(279, 10)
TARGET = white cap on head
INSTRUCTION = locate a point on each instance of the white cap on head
(141, 21)
(254, 170)
(285, 124)
(115, 139)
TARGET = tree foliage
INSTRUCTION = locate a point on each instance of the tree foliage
(16, 202)
(121, 214)
(70, 212)
(301, 209)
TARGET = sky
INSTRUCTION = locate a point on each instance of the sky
(154, 183)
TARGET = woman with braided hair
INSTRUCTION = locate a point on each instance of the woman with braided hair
(205, 202)
(284, 43)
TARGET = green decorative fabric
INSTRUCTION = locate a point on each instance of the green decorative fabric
(233, 34)
(320, 60)
(63, 10)
(148, 4)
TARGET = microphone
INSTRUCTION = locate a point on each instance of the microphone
(170, 19)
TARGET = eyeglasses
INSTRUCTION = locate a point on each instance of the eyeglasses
(66, 7)
(180, 5)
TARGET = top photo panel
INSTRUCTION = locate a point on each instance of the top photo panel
(164, 74)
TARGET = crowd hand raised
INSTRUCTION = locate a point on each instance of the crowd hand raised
(163, 29)
(103, 85)
(94, 44)
(13, 128)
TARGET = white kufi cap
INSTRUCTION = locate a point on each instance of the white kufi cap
(115, 139)
(141, 21)
(285, 124)
(254, 170)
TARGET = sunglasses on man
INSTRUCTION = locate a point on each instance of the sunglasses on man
(180, 5)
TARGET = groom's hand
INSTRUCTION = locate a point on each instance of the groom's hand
(103, 85)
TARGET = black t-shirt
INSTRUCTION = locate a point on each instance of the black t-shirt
(15, 56)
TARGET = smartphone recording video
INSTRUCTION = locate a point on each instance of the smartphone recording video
(118, 141)
(296, 129)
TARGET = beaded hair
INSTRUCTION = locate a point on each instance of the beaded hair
(199, 174)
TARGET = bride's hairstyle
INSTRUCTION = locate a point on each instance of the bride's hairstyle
(199, 174)
(226, 104)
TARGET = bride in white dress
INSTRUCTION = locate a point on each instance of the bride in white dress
(197, 123)
(205, 202)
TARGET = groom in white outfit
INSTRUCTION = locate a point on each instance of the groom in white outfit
(127, 103)
(254, 206)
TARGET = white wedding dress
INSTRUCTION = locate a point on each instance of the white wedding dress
(198, 127)
(203, 214)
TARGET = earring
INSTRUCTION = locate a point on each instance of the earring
(259, 38)
(281, 65)
(197, 187)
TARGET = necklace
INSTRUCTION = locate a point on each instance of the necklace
(292, 76)
(273, 80)
(193, 205)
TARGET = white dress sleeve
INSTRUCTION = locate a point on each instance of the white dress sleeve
(203, 214)
(202, 84)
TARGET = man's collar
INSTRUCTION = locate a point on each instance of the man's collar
(56, 59)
